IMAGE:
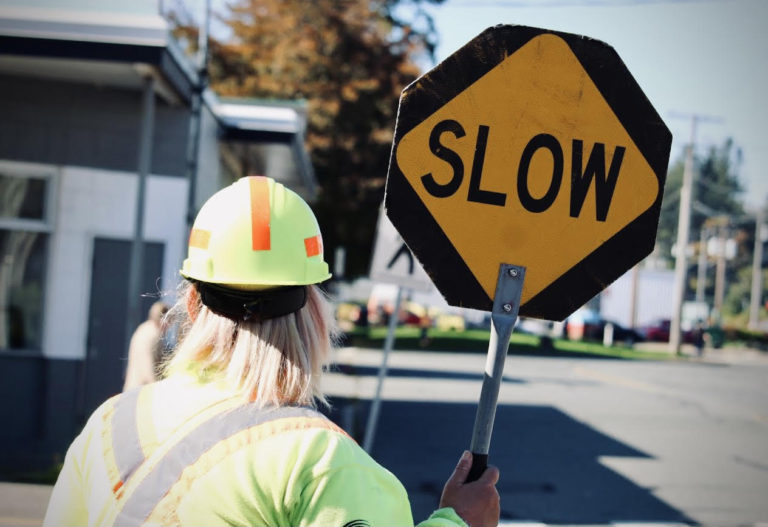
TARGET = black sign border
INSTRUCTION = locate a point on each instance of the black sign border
(597, 270)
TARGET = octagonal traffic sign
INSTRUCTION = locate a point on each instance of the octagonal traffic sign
(533, 148)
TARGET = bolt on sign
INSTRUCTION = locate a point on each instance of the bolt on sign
(534, 148)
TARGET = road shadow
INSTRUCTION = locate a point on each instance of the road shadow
(549, 464)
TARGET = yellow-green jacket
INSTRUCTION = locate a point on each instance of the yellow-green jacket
(178, 452)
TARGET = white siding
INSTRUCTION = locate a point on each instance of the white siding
(99, 203)
(654, 289)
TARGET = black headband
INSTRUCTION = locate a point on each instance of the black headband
(238, 304)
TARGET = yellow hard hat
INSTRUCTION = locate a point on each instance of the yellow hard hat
(255, 233)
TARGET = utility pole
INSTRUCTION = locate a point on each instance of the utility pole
(144, 167)
(683, 233)
(757, 271)
(701, 280)
(633, 302)
(722, 240)
(193, 144)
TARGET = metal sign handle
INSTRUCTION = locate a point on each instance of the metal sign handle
(506, 305)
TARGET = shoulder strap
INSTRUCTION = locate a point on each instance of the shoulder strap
(155, 477)
(123, 451)
(124, 432)
(126, 444)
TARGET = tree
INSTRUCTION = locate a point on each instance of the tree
(717, 192)
(739, 293)
(349, 59)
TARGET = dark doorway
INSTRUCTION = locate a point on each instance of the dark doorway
(106, 352)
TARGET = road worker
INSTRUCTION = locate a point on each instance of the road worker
(145, 351)
(232, 436)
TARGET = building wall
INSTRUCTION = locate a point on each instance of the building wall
(208, 165)
(87, 203)
(87, 138)
(40, 420)
(84, 125)
(101, 203)
(653, 290)
(45, 387)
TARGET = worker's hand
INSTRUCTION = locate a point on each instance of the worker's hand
(477, 502)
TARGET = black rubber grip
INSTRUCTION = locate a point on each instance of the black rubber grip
(479, 464)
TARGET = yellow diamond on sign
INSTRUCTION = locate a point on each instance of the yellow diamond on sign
(528, 165)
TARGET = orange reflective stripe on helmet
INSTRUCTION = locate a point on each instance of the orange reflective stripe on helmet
(313, 246)
(199, 238)
(260, 232)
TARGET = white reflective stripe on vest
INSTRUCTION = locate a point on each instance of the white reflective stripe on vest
(142, 501)
(126, 445)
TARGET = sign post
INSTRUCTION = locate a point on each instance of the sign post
(389, 342)
(392, 263)
(528, 147)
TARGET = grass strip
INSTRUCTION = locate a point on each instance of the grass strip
(476, 340)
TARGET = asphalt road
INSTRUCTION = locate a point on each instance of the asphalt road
(578, 442)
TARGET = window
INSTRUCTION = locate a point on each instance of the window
(24, 227)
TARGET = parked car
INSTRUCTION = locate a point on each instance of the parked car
(621, 334)
(583, 324)
(587, 324)
(658, 331)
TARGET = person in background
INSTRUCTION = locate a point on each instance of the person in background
(232, 434)
(699, 335)
(425, 322)
(145, 351)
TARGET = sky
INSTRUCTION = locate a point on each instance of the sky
(690, 57)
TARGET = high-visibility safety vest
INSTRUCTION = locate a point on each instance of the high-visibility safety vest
(184, 453)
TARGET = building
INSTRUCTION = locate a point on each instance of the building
(97, 183)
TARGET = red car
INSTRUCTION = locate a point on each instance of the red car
(658, 331)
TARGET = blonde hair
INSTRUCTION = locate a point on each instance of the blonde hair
(273, 362)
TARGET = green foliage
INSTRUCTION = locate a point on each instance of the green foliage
(717, 200)
(717, 191)
(741, 338)
(737, 298)
(349, 60)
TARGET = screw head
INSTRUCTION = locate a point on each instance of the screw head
(513, 273)
(507, 307)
